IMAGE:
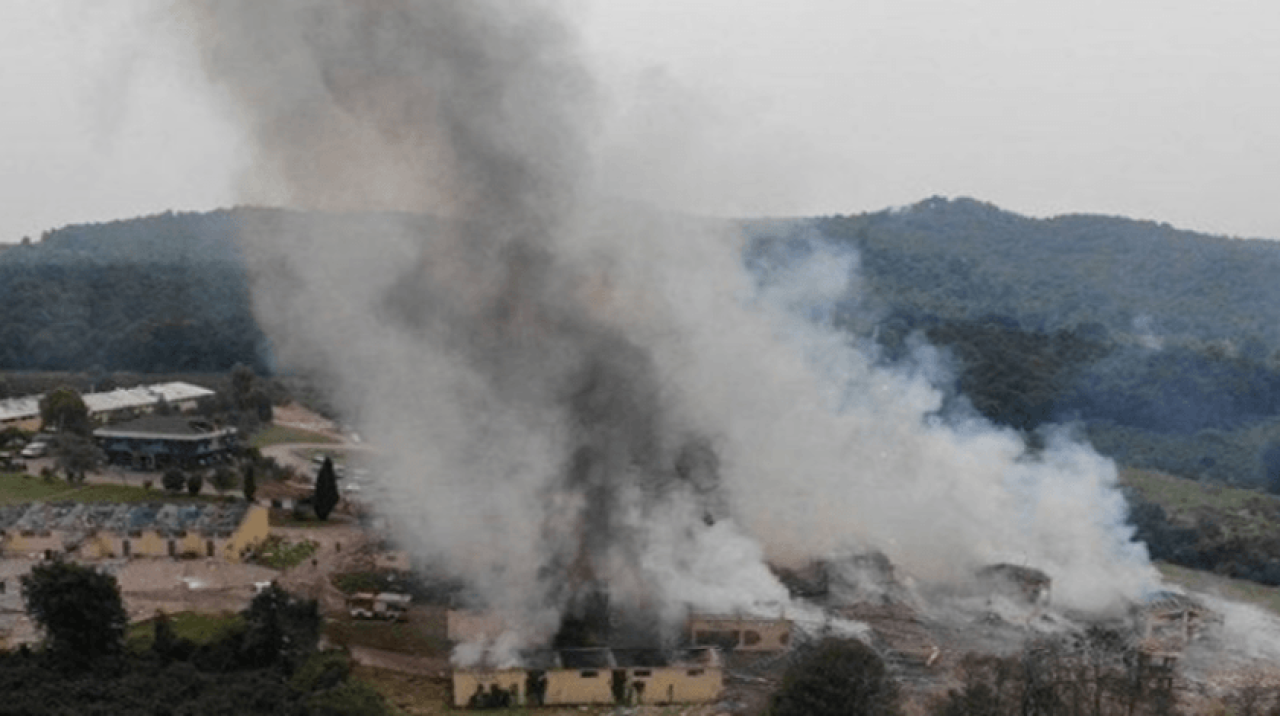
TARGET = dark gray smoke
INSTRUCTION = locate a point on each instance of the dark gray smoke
(526, 438)
(578, 407)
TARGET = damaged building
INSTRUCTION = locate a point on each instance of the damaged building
(99, 530)
(740, 633)
(1027, 585)
(582, 677)
(1167, 622)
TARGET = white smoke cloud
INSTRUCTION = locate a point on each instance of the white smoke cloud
(561, 390)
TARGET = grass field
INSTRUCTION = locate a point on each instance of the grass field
(199, 628)
(277, 552)
(16, 489)
(411, 637)
(279, 434)
(1239, 590)
(1239, 511)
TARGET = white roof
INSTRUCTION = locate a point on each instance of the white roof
(23, 408)
(28, 406)
(143, 396)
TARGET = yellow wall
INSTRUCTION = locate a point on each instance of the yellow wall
(253, 529)
(569, 686)
(19, 545)
(774, 634)
(677, 685)
(465, 684)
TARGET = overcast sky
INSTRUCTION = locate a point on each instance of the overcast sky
(1163, 110)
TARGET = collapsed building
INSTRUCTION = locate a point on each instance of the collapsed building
(576, 677)
(1167, 622)
(227, 530)
(1027, 585)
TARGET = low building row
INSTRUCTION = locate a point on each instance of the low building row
(583, 677)
(225, 530)
(24, 411)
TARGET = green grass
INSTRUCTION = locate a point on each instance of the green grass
(16, 488)
(280, 434)
(277, 552)
(1235, 589)
(1240, 512)
(199, 628)
(404, 637)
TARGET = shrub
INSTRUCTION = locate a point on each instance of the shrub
(173, 480)
(837, 677)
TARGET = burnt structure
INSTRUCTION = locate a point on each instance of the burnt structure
(1025, 584)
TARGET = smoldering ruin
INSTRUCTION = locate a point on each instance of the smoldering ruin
(589, 411)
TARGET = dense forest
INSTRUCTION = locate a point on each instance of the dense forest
(1160, 344)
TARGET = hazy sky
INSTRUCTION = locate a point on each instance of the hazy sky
(1158, 110)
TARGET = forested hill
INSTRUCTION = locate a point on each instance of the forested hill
(1163, 344)
(157, 294)
(963, 259)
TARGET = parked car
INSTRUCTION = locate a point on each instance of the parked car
(35, 448)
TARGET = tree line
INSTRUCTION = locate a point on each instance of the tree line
(266, 663)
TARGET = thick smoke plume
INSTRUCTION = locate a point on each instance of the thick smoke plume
(575, 400)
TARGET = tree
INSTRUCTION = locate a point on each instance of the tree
(76, 455)
(280, 628)
(63, 409)
(194, 482)
(223, 479)
(249, 485)
(326, 495)
(242, 380)
(837, 677)
(78, 608)
(173, 480)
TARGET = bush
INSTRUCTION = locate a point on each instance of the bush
(194, 483)
(837, 677)
(78, 608)
(173, 480)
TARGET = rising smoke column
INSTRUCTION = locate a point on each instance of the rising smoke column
(527, 440)
(571, 397)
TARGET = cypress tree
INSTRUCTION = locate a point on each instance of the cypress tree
(326, 495)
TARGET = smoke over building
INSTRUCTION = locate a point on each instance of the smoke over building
(584, 407)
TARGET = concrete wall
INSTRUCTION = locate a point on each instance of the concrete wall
(672, 684)
(466, 684)
(586, 687)
(253, 529)
(740, 633)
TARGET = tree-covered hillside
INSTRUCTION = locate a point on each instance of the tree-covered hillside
(1164, 345)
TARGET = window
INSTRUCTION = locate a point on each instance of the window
(173, 548)
(638, 673)
(695, 672)
(588, 674)
(125, 548)
(750, 637)
(208, 548)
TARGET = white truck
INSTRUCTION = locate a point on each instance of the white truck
(383, 605)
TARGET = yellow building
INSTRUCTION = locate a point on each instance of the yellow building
(740, 633)
(580, 677)
(226, 530)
